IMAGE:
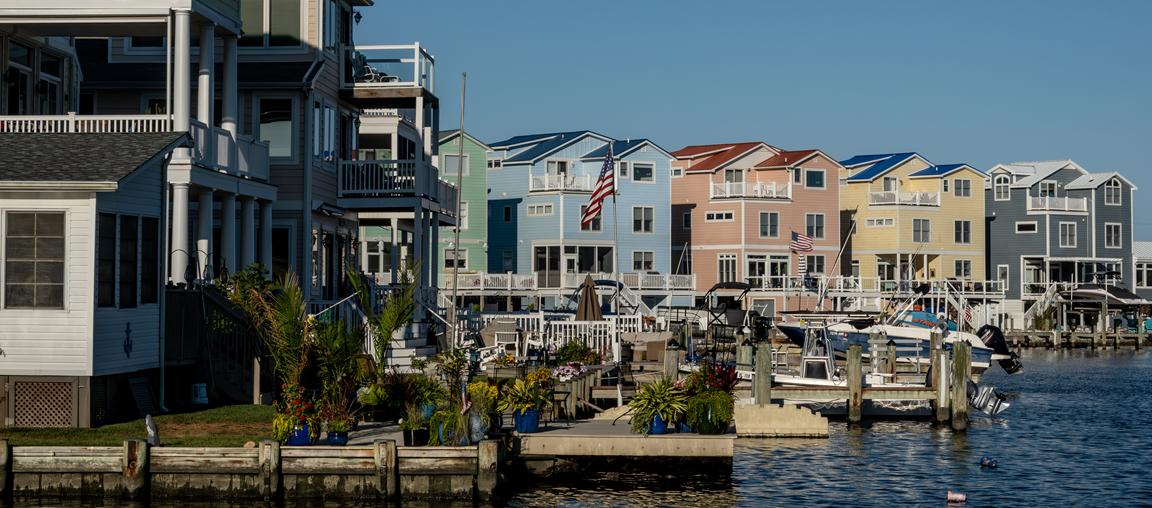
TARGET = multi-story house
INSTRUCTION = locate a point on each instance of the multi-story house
(538, 250)
(471, 255)
(906, 219)
(1142, 269)
(734, 209)
(1052, 225)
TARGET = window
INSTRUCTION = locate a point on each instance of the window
(814, 225)
(49, 89)
(556, 167)
(963, 269)
(797, 175)
(462, 216)
(1068, 234)
(921, 230)
(769, 225)
(1026, 227)
(276, 126)
(1143, 275)
(643, 261)
(594, 224)
(686, 221)
(495, 163)
(642, 173)
(270, 23)
(882, 222)
(19, 78)
(1002, 188)
(323, 132)
(814, 178)
(538, 210)
(891, 184)
(282, 255)
(1113, 235)
(622, 168)
(1002, 275)
(961, 188)
(450, 165)
(815, 265)
(642, 219)
(945, 185)
(1113, 192)
(1048, 189)
(726, 216)
(508, 261)
(149, 260)
(129, 256)
(454, 260)
(106, 261)
(676, 172)
(963, 231)
(726, 268)
(372, 256)
(507, 214)
(34, 263)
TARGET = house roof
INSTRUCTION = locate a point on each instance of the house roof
(1031, 172)
(942, 170)
(526, 139)
(787, 159)
(623, 148)
(1142, 250)
(448, 135)
(879, 164)
(81, 157)
(706, 158)
(1094, 180)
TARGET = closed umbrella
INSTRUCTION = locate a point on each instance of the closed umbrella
(588, 307)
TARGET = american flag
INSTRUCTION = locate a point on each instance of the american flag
(800, 242)
(605, 186)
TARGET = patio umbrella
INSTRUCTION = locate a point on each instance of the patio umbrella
(588, 306)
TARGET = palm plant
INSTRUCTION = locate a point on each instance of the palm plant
(338, 353)
(661, 398)
(285, 327)
(396, 312)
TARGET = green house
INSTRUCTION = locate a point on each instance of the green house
(473, 255)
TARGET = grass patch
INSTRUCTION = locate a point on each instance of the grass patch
(222, 426)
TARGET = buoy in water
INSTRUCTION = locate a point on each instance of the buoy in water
(956, 497)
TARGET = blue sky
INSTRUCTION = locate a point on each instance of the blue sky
(978, 82)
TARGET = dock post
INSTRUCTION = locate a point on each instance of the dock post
(487, 467)
(763, 377)
(940, 383)
(386, 462)
(5, 472)
(671, 363)
(270, 469)
(891, 360)
(135, 469)
(855, 384)
(961, 364)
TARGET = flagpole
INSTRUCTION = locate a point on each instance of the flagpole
(616, 275)
(455, 309)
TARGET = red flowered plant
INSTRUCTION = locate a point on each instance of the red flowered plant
(295, 405)
(721, 377)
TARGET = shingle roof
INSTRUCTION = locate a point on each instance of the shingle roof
(785, 158)
(1142, 250)
(77, 157)
(881, 163)
(942, 170)
(703, 158)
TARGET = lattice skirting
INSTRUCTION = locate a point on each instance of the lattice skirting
(44, 401)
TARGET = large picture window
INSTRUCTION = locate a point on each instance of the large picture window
(277, 126)
(34, 260)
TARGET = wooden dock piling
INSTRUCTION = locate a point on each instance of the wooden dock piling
(940, 380)
(961, 366)
(763, 377)
(855, 384)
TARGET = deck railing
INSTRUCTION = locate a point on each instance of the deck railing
(904, 198)
(540, 183)
(760, 190)
(1057, 204)
(388, 66)
(526, 282)
(71, 122)
(395, 178)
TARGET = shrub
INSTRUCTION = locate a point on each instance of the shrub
(662, 398)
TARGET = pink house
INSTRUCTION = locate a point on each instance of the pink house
(734, 208)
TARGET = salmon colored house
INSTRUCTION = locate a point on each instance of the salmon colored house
(734, 208)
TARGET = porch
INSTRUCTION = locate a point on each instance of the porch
(754, 190)
(904, 198)
(388, 76)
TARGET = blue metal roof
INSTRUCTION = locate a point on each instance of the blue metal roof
(527, 138)
(618, 147)
(941, 170)
(881, 163)
(546, 146)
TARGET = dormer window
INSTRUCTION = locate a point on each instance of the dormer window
(1002, 187)
(1112, 192)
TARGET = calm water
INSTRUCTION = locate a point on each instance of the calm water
(1079, 433)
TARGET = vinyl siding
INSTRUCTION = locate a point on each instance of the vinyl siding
(475, 192)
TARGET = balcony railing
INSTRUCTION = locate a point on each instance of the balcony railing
(214, 148)
(840, 285)
(542, 183)
(528, 282)
(1055, 204)
(904, 198)
(388, 66)
(364, 179)
(761, 190)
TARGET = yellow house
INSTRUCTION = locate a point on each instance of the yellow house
(906, 219)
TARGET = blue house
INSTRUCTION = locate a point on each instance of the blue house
(539, 185)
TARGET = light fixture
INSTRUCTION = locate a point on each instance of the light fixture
(356, 16)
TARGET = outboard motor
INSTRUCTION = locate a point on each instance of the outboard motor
(993, 337)
(760, 325)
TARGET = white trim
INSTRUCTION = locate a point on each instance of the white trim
(823, 178)
(649, 165)
(1007, 186)
(720, 216)
(653, 259)
(760, 224)
(444, 164)
(956, 187)
(1119, 236)
(1035, 227)
(823, 226)
(1007, 280)
(1119, 192)
(652, 231)
(540, 209)
(1060, 235)
(956, 230)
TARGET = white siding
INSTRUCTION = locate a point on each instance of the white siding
(54, 342)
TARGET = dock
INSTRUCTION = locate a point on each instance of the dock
(1018, 339)
(600, 438)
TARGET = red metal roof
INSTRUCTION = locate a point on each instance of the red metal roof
(712, 157)
(785, 158)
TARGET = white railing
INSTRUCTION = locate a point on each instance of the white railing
(388, 66)
(1055, 204)
(393, 177)
(598, 335)
(539, 183)
(904, 198)
(765, 190)
(844, 286)
(71, 122)
(522, 282)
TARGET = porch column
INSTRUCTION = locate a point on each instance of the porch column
(229, 104)
(178, 257)
(266, 236)
(425, 145)
(204, 236)
(247, 231)
(434, 258)
(418, 253)
(394, 250)
(204, 89)
(228, 234)
(181, 95)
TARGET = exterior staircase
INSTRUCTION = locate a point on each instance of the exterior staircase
(1038, 308)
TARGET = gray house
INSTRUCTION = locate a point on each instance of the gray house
(1052, 225)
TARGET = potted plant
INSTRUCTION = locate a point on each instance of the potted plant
(414, 426)
(295, 420)
(525, 397)
(338, 432)
(483, 396)
(710, 411)
(655, 406)
(448, 426)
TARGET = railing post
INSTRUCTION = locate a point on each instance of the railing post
(71, 121)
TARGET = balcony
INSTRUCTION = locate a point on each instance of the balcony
(755, 190)
(904, 198)
(387, 75)
(213, 148)
(546, 183)
(1055, 204)
(530, 282)
(395, 178)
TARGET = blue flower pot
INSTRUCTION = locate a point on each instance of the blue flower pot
(337, 438)
(684, 428)
(477, 427)
(427, 410)
(300, 436)
(659, 426)
(528, 422)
